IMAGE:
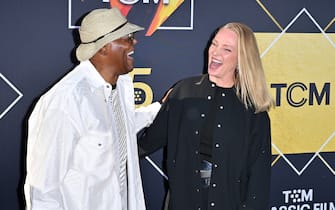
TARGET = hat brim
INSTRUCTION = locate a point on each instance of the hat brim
(86, 51)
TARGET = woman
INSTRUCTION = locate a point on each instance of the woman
(217, 129)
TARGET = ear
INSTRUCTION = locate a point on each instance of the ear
(104, 50)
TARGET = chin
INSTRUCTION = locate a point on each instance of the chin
(129, 70)
(212, 72)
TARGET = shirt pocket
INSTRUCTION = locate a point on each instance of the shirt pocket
(93, 153)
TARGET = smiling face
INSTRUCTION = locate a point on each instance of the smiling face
(223, 58)
(120, 56)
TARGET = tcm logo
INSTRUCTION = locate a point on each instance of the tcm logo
(298, 94)
(164, 9)
(302, 199)
(298, 195)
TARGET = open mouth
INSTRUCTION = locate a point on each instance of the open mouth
(130, 54)
(215, 63)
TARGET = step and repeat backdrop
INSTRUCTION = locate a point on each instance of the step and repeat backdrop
(297, 45)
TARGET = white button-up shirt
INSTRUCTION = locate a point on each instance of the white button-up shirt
(72, 154)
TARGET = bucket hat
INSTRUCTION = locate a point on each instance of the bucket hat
(100, 27)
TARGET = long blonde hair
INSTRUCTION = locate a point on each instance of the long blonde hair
(250, 81)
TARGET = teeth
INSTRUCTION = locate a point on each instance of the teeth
(216, 61)
(130, 53)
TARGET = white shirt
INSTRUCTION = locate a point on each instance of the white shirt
(72, 154)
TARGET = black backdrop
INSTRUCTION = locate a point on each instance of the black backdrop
(38, 39)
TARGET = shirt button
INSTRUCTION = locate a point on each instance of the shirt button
(202, 115)
(217, 145)
(209, 97)
(198, 190)
(196, 152)
(196, 132)
(219, 125)
(212, 204)
(213, 185)
(213, 85)
(215, 165)
(221, 107)
(223, 94)
(196, 171)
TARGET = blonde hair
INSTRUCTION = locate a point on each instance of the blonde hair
(250, 81)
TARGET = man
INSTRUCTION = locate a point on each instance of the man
(75, 158)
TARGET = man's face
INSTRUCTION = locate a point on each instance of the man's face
(122, 50)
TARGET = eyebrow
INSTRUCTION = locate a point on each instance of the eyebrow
(225, 45)
(215, 40)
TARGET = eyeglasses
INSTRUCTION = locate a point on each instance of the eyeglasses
(131, 37)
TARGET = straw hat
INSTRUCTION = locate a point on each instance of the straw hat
(100, 27)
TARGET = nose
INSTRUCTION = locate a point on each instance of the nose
(215, 51)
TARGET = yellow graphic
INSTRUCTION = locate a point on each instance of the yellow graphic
(142, 88)
(300, 70)
(302, 64)
(162, 13)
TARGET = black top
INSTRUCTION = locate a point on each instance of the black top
(206, 138)
(241, 148)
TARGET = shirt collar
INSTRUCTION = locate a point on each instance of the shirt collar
(94, 76)
(97, 80)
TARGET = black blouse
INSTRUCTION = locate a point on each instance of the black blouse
(240, 148)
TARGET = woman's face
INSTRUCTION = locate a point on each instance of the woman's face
(223, 58)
